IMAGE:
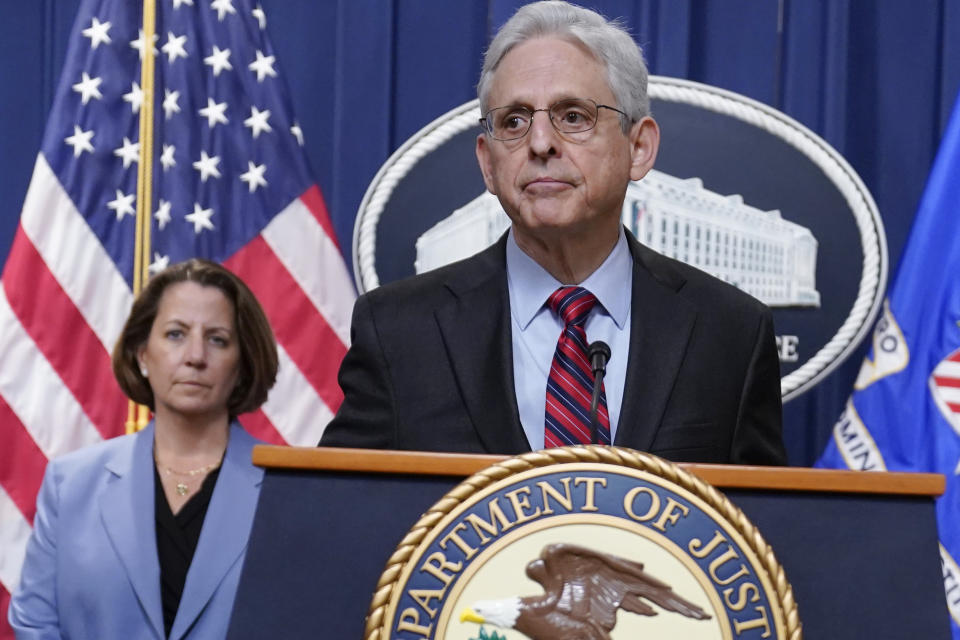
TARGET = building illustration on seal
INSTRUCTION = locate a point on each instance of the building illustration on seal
(757, 251)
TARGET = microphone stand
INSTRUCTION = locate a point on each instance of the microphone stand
(599, 354)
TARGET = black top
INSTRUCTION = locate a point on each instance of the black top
(177, 537)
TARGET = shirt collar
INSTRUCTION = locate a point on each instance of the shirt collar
(530, 284)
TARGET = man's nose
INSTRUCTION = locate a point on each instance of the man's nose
(542, 135)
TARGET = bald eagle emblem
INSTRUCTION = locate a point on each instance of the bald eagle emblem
(584, 590)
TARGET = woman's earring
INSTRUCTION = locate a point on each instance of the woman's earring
(143, 370)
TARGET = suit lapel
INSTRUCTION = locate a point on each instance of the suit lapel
(226, 529)
(126, 508)
(476, 328)
(661, 323)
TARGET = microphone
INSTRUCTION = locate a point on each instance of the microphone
(599, 354)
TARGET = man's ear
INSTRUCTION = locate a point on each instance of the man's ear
(644, 143)
(483, 159)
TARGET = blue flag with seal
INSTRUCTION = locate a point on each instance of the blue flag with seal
(904, 413)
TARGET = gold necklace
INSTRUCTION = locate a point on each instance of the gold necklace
(182, 488)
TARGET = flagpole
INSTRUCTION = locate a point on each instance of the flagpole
(138, 415)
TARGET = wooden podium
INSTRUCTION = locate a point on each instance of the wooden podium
(860, 549)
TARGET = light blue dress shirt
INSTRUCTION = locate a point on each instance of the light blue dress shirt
(536, 330)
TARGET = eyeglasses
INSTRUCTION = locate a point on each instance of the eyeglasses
(573, 115)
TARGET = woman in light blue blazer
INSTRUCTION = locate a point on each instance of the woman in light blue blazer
(143, 536)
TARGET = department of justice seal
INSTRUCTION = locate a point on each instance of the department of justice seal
(583, 543)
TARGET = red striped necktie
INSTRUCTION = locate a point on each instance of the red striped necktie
(570, 384)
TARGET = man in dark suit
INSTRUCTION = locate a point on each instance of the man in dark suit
(467, 358)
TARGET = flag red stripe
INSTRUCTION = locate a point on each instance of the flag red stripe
(954, 406)
(946, 382)
(955, 356)
(21, 462)
(299, 327)
(314, 201)
(259, 426)
(61, 333)
(6, 633)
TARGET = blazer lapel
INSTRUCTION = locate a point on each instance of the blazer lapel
(661, 323)
(226, 529)
(476, 330)
(127, 511)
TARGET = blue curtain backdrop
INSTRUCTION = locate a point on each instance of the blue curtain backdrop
(875, 78)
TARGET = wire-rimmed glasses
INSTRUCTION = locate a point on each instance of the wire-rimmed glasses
(568, 116)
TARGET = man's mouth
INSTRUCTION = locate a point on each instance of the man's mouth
(546, 184)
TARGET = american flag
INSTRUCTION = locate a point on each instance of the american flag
(230, 182)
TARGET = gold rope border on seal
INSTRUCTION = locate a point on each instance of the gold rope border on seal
(619, 456)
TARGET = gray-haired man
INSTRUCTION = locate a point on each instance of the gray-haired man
(489, 354)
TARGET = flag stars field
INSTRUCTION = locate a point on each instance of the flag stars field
(214, 113)
(80, 141)
(207, 166)
(122, 205)
(175, 47)
(258, 121)
(88, 88)
(139, 43)
(129, 152)
(135, 97)
(218, 60)
(260, 16)
(297, 133)
(159, 263)
(200, 218)
(166, 158)
(263, 66)
(162, 214)
(222, 7)
(98, 33)
(254, 176)
(170, 105)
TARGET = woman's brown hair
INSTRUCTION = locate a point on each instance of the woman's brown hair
(258, 348)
